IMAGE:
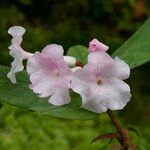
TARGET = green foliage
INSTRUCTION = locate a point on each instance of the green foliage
(79, 52)
(20, 95)
(24, 130)
(136, 50)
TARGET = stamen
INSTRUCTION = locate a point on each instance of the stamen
(99, 82)
(79, 64)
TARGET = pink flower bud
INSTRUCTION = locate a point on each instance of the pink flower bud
(95, 45)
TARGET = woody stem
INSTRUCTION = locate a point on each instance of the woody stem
(124, 139)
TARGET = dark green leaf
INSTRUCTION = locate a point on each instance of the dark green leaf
(1, 105)
(79, 52)
(136, 50)
(133, 129)
(21, 96)
(105, 147)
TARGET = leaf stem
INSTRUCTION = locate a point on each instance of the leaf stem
(124, 139)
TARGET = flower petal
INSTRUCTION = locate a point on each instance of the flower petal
(92, 103)
(82, 79)
(43, 84)
(16, 31)
(33, 63)
(16, 66)
(113, 94)
(121, 69)
(60, 97)
(108, 67)
(53, 51)
(99, 59)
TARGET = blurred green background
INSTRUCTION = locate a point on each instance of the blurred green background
(71, 22)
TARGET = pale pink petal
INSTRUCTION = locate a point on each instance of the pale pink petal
(121, 69)
(53, 59)
(95, 45)
(82, 79)
(99, 59)
(79, 86)
(114, 93)
(64, 70)
(33, 63)
(16, 31)
(43, 84)
(116, 68)
(53, 51)
(91, 102)
(60, 97)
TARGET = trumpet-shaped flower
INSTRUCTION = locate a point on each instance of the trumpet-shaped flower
(100, 83)
(50, 75)
(16, 52)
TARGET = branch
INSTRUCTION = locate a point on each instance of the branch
(124, 141)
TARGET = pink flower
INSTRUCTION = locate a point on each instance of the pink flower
(16, 52)
(50, 75)
(95, 45)
(100, 83)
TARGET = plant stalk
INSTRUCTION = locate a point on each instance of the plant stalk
(124, 139)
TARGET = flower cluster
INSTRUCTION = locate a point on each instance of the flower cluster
(99, 83)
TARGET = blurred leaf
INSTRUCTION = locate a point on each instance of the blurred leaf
(79, 52)
(21, 96)
(26, 2)
(141, 147)
(133, 129)
(136, 50)
(1, 105)
(105, 147)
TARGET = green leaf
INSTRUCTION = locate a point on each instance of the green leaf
(136, 50)
(1, 105)
(79, 52)
(105, 147)
(134, 129)
(21, 96)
